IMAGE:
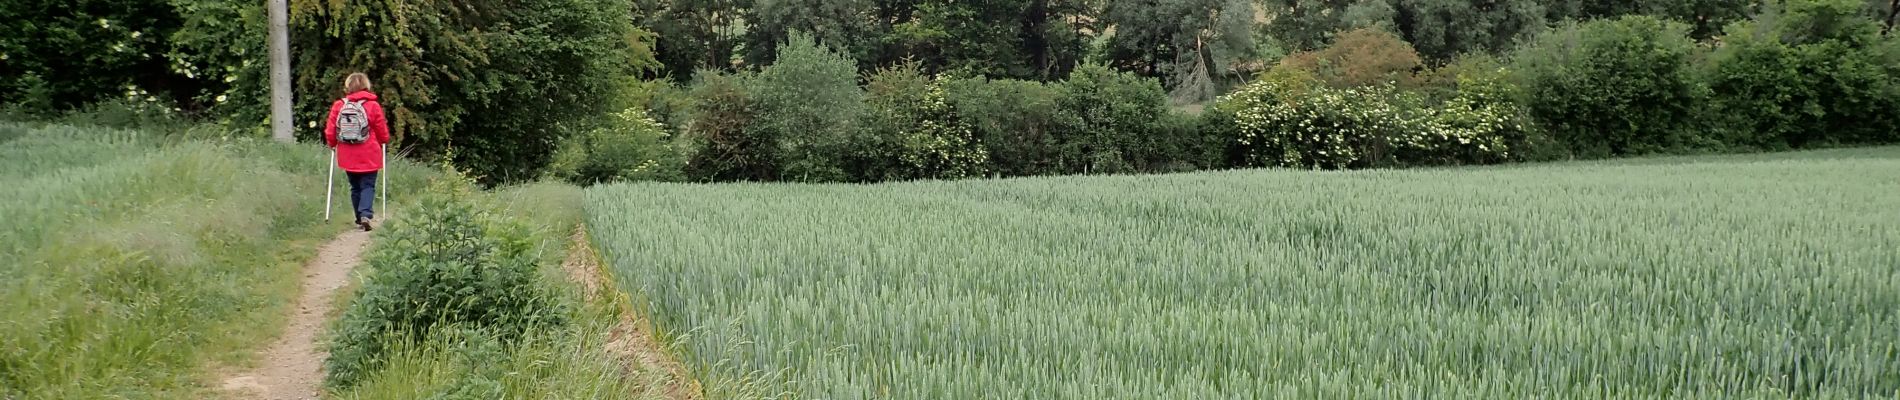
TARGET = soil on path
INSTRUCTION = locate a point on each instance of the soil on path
(631, 342)
(292, 368)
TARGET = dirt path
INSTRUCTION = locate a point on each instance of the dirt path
(292, 368)
(631, 342)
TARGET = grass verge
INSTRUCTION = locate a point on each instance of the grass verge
(133, 258)
(479, 345)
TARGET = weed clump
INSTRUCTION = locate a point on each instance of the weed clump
(448, 263)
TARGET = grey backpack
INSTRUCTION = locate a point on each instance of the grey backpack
(352, 123)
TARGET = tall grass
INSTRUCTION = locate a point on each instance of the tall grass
(1731, 277)
(561, 357)
(129, 259)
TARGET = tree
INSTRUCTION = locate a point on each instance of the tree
(61, 55)
(1893, 13)
(1361, 57)
(810, 105)
(1705, 17)
(1311, 24)
(1108, 119)
(1024, 39)
(914, 132)
(493, 87)
(694, 34)
(1443, 29)
(1187, 41)
(1805, 73)
(1614, 87)
(844, 25)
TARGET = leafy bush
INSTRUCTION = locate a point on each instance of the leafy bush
(722, 140)
(1285, 123)
(1481, 123)
(631, 147)
(1807, 73)
(60, 55)
(1361, 57)
(446, 263)
(1614, 87)
(499, 82)
(914, 133)
(1108, 118)
(809, 103)
(1290, 120)
(1016, 121)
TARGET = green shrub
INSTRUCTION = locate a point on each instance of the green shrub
(1615, 87)
(1290, 120)
(1481, 123)
(1807, 73)
(1357, 58)
(1016, 121)
(59, 55)
(665, 101)
(914, 133)
(722, 140)
(445, 263)
(630, 147)
(1183, 143)
(809, 103)
(1282, 123)
(1108, 118)
(491, 85)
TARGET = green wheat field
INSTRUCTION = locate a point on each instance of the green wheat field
(1764, 276)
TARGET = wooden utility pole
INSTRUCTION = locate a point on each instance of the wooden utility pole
(280, 123)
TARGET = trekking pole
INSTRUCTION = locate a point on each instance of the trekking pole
(329, 187)
(382, 192)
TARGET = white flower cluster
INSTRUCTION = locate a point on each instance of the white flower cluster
(941, 145)
(1285, 125)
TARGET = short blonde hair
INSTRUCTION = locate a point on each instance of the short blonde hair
(357, 82)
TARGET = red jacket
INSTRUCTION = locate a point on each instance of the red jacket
(360, 157)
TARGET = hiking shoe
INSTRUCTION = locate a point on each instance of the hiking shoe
(363, 223)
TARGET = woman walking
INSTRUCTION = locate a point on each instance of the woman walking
(357, 131)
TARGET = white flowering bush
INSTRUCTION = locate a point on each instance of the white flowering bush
(915, 133)
(1290, 121)
(941, 145)
(1479, 124)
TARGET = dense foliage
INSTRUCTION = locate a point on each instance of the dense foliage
(1808, 74)
(1615, 87)
(1015, 121)
(492, 86)
(447, 263)
(60, 55)
(1044, 86)
(809, 103)
(914, 133)
(632, 147)
(1361, 57)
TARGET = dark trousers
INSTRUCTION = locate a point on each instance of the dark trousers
(363, 194)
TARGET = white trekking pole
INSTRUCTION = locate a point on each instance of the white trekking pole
(329, 187)
(382, 188)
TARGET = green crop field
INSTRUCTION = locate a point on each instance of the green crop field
(1723, 277)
